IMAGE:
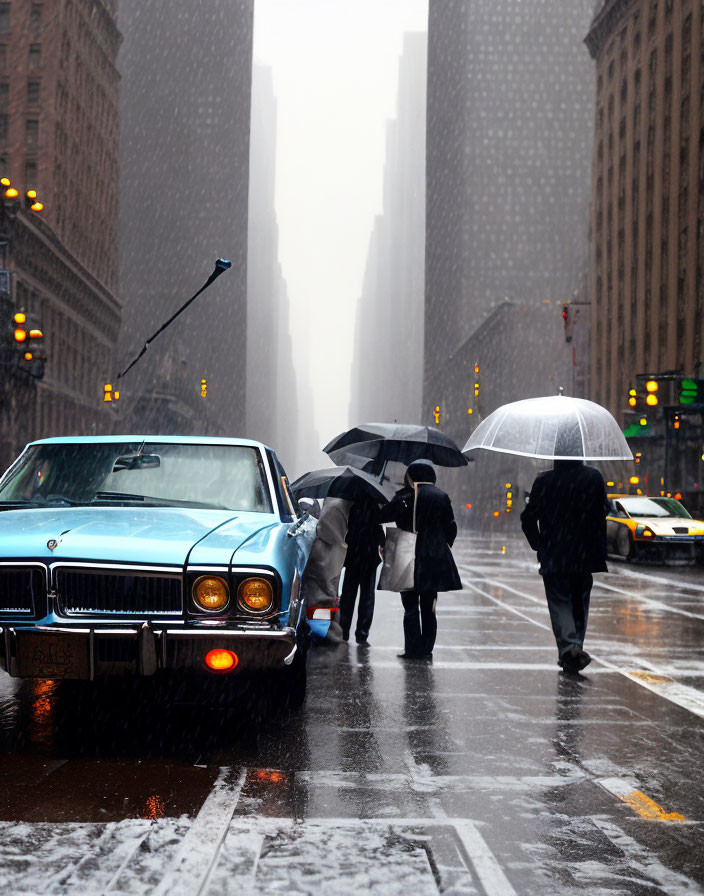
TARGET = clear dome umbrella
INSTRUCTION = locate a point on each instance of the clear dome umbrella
(554, 428)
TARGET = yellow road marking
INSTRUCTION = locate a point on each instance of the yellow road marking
(651, 677)
(648, 808)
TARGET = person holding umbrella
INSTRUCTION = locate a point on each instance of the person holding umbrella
(565, 522)
(423, 508)
(364, 539)
(565, 519)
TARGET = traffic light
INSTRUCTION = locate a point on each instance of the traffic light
(651, 388)
(31, 202)
(29, 342)
(203, 388)
(632, 397)
(690, 392)
(109, 394)
(436, 412)
(9, 191)
(567, 321)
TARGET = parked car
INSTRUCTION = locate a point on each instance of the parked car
(132, 555)
(661, 529)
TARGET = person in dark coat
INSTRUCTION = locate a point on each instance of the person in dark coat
(364, 539)
(423, 508)
(565, 522)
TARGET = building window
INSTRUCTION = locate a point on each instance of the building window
(3, 57)
(35, 18)
(32, 132)
(4, 16)
(31, 173)
(34, 57)
(33, 93)
(4, 126)
(4, 95)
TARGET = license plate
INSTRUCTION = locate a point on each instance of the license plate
(49, 655)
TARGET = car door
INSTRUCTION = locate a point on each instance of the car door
(616, 513)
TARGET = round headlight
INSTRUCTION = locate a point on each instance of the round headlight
(211, 593)
(255, 594)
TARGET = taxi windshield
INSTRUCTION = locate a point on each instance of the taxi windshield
(653, 507)
(147, 473)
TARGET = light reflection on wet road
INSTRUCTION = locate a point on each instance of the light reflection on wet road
(485, 772)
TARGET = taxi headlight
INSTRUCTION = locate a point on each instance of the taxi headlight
(644, 532)
(211, 593)
(255, 594)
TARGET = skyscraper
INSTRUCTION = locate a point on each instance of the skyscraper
(510, 122)
(388, 353)
(59, 129)
(186, 87)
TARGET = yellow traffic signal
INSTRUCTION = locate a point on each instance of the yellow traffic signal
(28, 356)
(20, 317)
(109, 394)
(651, 386)
(5, 182)
(203, 388)
(11, 193)
(632, 397)
(651, 399)
(36, 333)
(20, 334)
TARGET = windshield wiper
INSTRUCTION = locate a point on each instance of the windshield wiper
(49, 501)
(148, 501)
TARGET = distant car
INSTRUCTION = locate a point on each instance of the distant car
(131, 555)
(660, 529)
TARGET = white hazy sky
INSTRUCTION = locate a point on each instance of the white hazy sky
(335, 70)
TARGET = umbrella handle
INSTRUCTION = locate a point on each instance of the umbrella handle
(382, 475)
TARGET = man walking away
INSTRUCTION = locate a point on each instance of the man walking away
(364, 538)
(423, 508)
(565, 522)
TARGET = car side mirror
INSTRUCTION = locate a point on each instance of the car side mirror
(311, 506)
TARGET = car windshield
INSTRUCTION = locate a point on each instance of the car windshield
(151, 473)
(663, 507)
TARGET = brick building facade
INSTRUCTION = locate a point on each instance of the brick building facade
(59, 126)
(647, 253)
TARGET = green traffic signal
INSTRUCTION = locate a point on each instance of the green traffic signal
(689, 391)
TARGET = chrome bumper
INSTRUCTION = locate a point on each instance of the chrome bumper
(62, 651)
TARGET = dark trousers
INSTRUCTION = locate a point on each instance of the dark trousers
(420, 625)
(568, 602)
(360, 576)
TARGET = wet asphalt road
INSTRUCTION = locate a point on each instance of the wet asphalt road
(484, 772)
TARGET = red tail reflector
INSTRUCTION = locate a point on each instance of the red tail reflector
(221, 660)
(323, 613)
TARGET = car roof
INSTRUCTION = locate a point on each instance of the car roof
(176, 440)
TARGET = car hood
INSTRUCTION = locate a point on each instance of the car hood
(667, 525)
(154, 535)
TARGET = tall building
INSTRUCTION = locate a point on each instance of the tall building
(510, 102)
(647, 252)
(509, 135)
(185, 102)
(272, 402)
(387, 372)
(59, 127)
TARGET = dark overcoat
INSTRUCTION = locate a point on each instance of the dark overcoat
(436, 529)
(565, 520)
(364, 534)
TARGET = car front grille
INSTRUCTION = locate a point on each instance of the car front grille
(22, 590)
(91, 592)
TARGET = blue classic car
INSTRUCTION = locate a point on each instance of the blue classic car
(127, 555)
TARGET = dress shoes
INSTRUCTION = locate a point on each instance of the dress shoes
(345, 634)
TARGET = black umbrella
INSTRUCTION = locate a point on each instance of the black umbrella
(340, 482)
(402, 442)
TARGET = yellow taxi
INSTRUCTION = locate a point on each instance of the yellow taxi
(660, 529)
